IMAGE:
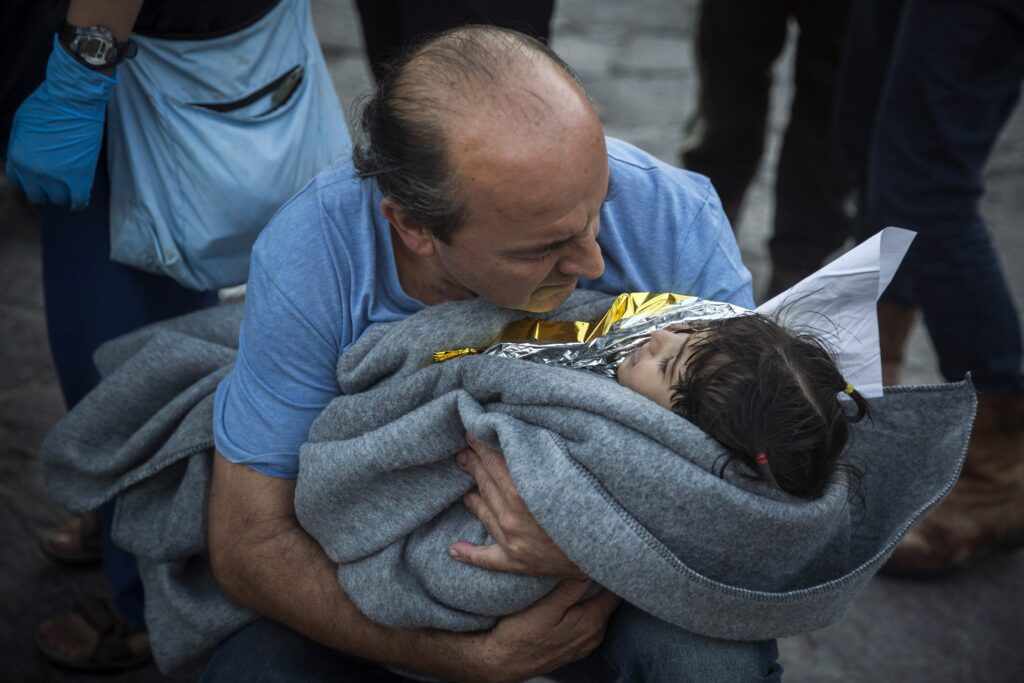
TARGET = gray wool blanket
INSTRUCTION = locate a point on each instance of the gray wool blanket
(630, 492)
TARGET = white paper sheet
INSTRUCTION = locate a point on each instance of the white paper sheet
(839, 301)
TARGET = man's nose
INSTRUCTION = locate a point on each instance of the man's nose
(585, 260)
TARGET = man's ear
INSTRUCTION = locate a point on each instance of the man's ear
(417, 239)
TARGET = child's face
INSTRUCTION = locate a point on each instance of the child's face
(655, 367)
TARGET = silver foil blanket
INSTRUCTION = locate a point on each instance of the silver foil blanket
(604, 354)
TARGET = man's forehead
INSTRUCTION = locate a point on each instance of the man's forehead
(553, 233)
(513, 171)
(522, 221)
(519, 237)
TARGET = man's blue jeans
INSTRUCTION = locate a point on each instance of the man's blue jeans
(637, 648)
(89, 300)
(927, 87)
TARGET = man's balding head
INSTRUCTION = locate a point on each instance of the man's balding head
(469, 99)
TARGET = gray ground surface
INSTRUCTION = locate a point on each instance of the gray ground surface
(636, 59)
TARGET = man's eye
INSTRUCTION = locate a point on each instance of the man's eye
(537, 257)
(663, 365)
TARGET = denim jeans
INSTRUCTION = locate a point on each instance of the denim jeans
(927, 86)
(89, 300)
(737, 43)
(637, 648)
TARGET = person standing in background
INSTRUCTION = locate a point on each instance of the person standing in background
(737, 43)
(57, 155)
(926, 88)
(392, 26)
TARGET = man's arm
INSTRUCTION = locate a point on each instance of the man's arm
(264, 561)
(117, 15)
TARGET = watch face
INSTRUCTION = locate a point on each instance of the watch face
(94, 47)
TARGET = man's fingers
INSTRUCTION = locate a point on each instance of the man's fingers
(590, 618)
(476, 504)
(525, 545)
(491, 557)
(563, 596)
(489, 490)
(601, 605)
(473, 442)
(493, 462)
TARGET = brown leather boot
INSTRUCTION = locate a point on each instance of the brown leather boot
(985, 510)
(895, 322)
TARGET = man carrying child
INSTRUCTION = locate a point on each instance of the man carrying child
(481, 170)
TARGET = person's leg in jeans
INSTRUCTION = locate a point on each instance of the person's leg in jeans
(870, 35)
(268, 652)
(737, 43)
(639, 648)
(89, 300)
(812, 182)
(955, 77)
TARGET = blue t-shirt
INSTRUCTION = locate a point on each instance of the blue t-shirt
(323, 271)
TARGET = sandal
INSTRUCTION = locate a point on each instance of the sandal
(77, 541)
(93, 637)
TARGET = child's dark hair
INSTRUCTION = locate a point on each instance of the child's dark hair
(758, 388)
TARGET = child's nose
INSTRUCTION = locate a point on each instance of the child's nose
(658, 338)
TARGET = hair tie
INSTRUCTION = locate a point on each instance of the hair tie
(849, 389)
(765, 470)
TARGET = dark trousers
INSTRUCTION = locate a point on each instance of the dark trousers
(737, 43)
(927, 87)
(89, 300)
(390, 26)
(637, 647)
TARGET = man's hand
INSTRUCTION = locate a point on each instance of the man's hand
(522, 545)
(551, 633)
(263, 560)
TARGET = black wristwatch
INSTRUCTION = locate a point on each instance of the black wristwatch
(95, 46)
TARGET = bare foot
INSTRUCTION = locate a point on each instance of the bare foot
(77, 540)
(73, 640)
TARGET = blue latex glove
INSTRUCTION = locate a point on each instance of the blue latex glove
(58, 131)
